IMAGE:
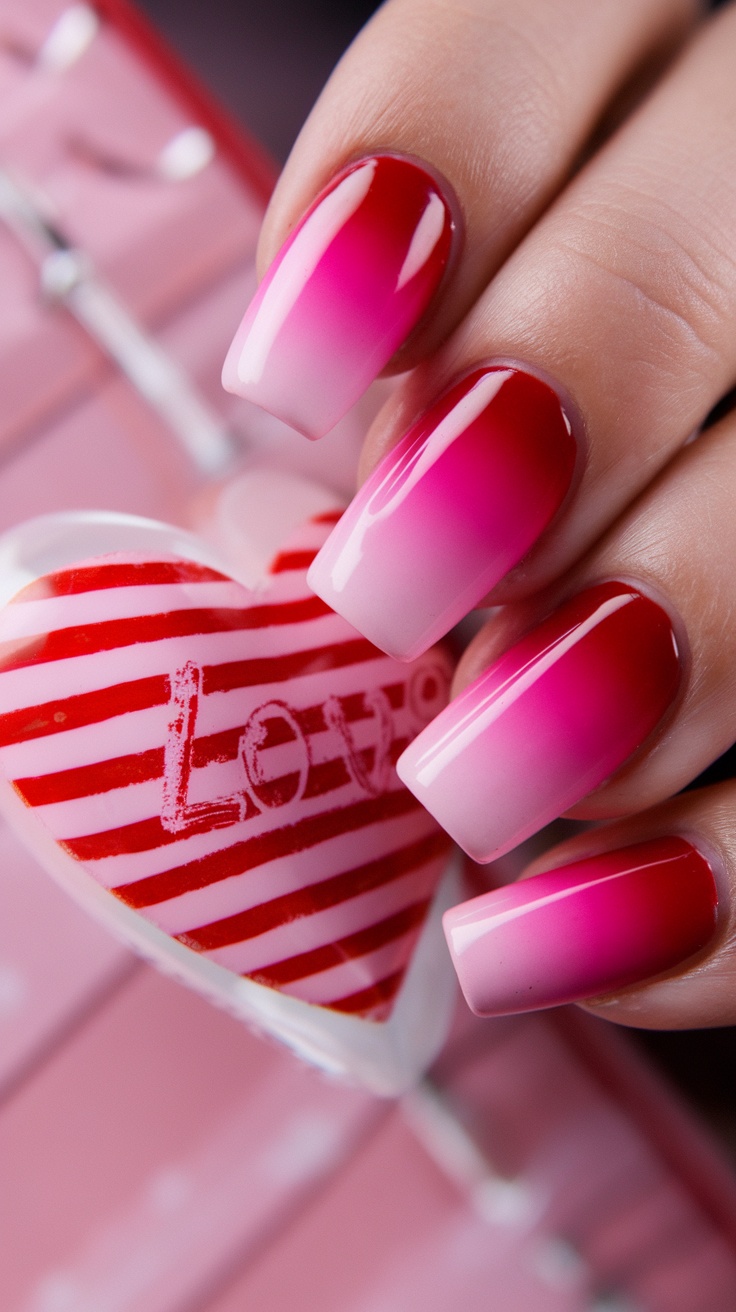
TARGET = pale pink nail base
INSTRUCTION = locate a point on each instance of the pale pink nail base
(597, 925)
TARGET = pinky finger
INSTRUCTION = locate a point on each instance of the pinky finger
(635, 918)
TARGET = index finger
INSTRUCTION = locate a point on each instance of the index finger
(496, 99)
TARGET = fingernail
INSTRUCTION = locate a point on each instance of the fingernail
(449, 510)
(584, 929)
(342, 294)
(548, 722)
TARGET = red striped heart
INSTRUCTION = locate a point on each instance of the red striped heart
(223, 761)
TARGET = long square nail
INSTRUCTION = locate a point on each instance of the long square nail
(343, 293)
(548, 722)
(586, 928)
(450, 510)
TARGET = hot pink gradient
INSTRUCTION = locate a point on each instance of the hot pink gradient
(342, 294)
(548, 722)
(583, 929)
(448, 511)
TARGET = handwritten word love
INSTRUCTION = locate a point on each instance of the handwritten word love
(275, 724)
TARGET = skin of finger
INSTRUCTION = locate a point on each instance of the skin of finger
(624, 294)
(678, 544)
(502, 120)
(702, 993)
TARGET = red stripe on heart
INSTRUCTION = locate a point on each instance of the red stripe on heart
(278, 669)
(85, 708)
(141, 694)
(351, 947)
(372, 1001)
(316, 897)
(141, 767)
(262, 848)
(312, 718)
(142, 836)
(291, 560)
(89, 780)
(328, 517)
(125, 574)
(88, 639)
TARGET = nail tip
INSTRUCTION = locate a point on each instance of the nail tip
(228, 376)
(311, 326)
(318, 580)
(612, 641)
(314, 580)
(411, 652)
(268, 397)
(403, 770)
(231, 383)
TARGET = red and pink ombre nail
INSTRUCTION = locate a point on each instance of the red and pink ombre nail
(343, 293)
(548, 722)
(452, 508)
(587, 928)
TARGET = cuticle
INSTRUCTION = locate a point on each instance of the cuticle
(570, 409)
(650, 589)
(652, 592)
(684, 655)
(444, 186)
(718, 865)
(573, 414)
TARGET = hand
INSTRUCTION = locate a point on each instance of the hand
(568, 326)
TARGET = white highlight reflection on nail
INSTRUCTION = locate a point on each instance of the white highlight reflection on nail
(410, 469)
(480, 715)
(426, 235)
(297, 266)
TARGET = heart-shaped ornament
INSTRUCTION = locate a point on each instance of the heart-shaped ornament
(209, 766)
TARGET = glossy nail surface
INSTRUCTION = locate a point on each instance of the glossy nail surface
(587, 928)
(342, 294)
(452, 508)
(548, 722)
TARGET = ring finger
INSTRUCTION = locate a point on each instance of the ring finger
(639, 916)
